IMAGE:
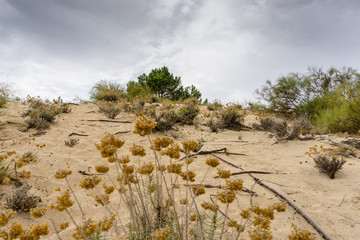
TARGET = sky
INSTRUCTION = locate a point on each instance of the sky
(226, 48)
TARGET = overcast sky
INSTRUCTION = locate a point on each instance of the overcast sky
(226, 48)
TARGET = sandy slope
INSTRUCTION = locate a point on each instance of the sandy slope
(332, 204)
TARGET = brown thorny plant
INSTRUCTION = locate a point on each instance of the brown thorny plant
(330, 160)
(160, 199)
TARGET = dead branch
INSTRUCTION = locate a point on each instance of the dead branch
(258, 181)
(247, 172)
(204, 153)
(229, 163)
(219, 187)
(322, 234)
(122, 132)
(77, 134)
(105, 120)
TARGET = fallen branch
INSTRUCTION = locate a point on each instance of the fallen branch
(122, 132)
(77, 134)
(219, 187)
(322, 234)
(104, 120)
(88, 174)
(204, 153)
(258, 181)
(231, 164)
(247, 172)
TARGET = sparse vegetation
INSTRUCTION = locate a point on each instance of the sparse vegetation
(41, 114)
(329, 160)
(20, 200)
(329, 98)
(107, 91)
(4, 94)
(232, 116)
(110, 109)
(71, 142)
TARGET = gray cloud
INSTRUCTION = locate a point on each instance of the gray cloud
(226, 48)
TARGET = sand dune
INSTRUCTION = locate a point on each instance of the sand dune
(333, 204)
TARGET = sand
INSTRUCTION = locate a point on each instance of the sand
(333, 204)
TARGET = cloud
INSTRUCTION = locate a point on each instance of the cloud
(225, 48)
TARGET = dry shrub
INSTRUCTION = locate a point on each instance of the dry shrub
(214, 124)
(165, 120)
(281, 129)
(189, 111)
(232, 116)
(110, 109)
(71, 142)
(329, 166)
(214, 106)
(20, 200)
(329, 160)
(41, 114)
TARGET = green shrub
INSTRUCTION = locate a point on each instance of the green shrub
(3, 102)
(5, 165)
(216, 105)
(135, 90)
(107, 91)
(4, 94)
(189, 111)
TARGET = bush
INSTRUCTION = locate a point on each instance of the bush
(231, 117)
(216, 105)
(329, 166)
(20, 200)
(5, 166)
(136, 90)
(107, 91)
(3, 102)
(41, 114)
(189, 111)
(214, 125)
(71, 142)
(110, 109)
(4, 94)
(329, 160)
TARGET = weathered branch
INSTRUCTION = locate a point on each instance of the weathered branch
(105, 120)
(258, 181)
(322, 234)
(77, 134)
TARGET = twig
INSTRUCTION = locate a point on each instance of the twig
(105, 120)
(231, 164)
(247, 172)
(122, 132)
(88, 174)
(219, 186)
(77, 134)
(342, 201)
(204, 153)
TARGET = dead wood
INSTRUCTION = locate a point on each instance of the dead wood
(258, 181)
(247, 172)
(122, 132)
(105, 120)
(221, 150)
(220, 186)
(77, 134)
(322, 234)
